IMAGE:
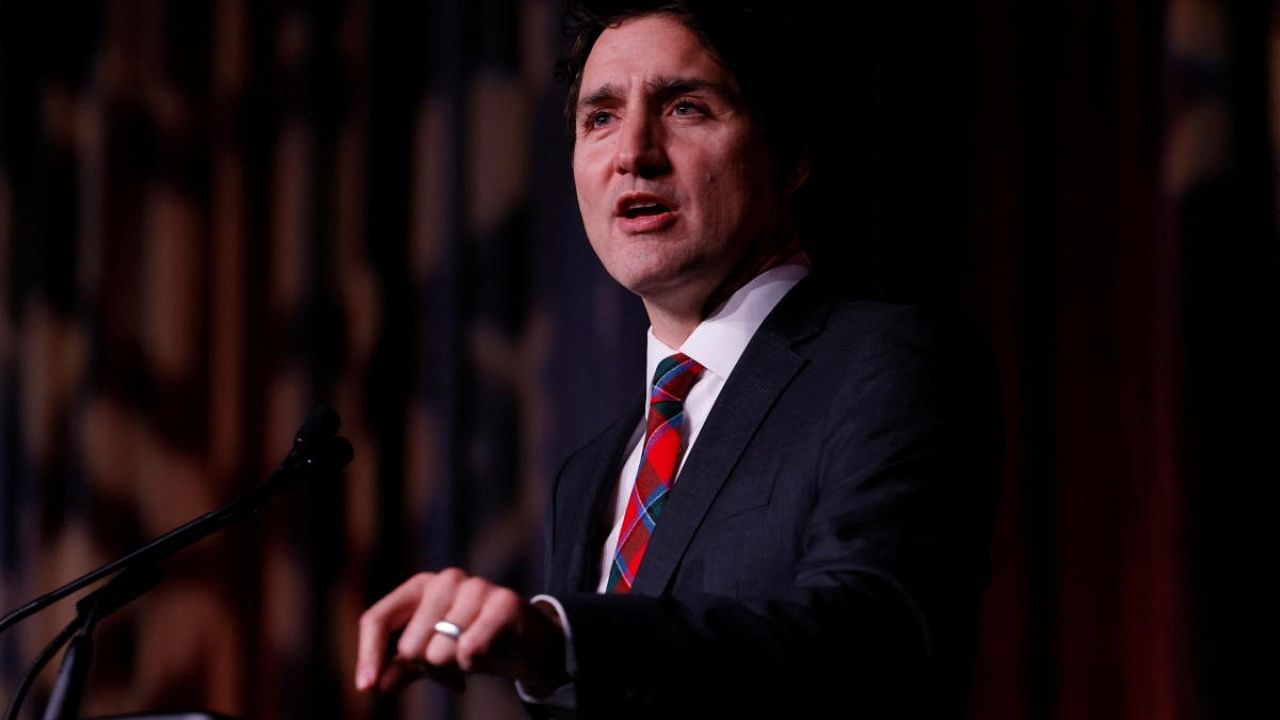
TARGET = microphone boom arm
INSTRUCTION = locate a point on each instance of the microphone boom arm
(307, 456)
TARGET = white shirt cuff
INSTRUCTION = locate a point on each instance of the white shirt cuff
(563, 697)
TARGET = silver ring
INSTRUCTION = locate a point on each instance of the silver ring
(448, 629)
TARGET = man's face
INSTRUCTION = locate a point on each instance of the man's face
(674, 181)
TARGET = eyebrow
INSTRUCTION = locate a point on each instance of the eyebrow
(662, 88)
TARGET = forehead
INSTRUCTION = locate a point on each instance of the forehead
(648, 47)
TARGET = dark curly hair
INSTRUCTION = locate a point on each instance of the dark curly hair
(759, 43)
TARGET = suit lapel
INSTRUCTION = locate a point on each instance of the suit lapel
(767, 366)
(583, 499)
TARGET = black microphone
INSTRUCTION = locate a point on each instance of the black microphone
(315, 444)
(317, 451)
(321, 423)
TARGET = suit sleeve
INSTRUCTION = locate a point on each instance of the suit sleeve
(880, 617)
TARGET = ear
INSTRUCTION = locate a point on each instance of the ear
(796, 176)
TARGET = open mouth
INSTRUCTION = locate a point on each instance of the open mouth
(646, 209)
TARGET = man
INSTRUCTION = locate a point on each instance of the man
(802, 517)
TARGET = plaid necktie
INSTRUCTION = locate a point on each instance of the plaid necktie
(662, 448)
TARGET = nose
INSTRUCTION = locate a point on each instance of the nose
(641, 147)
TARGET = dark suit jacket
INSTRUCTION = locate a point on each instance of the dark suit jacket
(826, 540)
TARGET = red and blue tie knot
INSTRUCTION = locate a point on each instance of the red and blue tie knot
(671, 383)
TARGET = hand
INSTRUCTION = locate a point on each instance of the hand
(502, 634)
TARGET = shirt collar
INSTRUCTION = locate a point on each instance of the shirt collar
(719, 341)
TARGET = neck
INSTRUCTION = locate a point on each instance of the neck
(672, 328)
(674, 322)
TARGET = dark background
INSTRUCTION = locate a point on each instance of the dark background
(215, 214)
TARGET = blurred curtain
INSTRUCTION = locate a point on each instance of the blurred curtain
(214, 215)
(1124, 259)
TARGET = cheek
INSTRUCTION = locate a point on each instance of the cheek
(590, 181)
(580, 179)
(753, 191)
(726, 180)
(720, 201)
(729, 198)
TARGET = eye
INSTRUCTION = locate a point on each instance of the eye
(597, 119)
(686, 108)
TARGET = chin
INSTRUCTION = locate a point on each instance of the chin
(656, 265)
(674, 287)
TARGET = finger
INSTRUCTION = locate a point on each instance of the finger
(376, 625)
(467, 601)
(400, 672)
(498, 618)
(434, 598)
(397, 674)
